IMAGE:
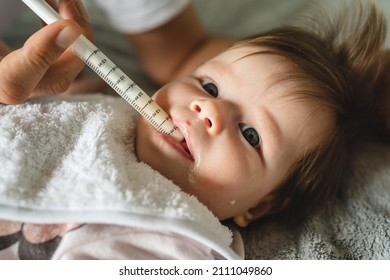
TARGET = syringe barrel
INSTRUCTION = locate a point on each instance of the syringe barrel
(110, 73)
(124, 86)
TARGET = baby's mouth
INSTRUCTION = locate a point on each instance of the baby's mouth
(183, 144)
(185, 147)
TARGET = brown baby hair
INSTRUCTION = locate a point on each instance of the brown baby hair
(336, 65)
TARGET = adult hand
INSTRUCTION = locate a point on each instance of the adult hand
(44, 65)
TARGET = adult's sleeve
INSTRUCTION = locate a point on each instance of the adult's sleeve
(136, 16)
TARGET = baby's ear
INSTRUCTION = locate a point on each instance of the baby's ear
(267, 206)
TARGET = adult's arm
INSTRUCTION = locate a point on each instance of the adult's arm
(177, 47)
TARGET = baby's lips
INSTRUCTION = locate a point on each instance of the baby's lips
(186, 148)
(186, 143)
(182, 127)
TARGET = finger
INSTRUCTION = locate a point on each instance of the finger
(22, 70)
(86, 85)
(75, 10)
(4, 49)
(60, 75)
(53, 4)
(67, 66)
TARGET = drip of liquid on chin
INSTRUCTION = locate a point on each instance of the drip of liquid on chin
(192, 177)
(232, 202)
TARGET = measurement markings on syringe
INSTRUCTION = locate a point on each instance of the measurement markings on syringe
(99, 64)
(106, 68)
(111, 73)
(129, 91)
(161, 124)
(93, 53)
(125, 96)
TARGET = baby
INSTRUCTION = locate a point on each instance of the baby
(269, 123)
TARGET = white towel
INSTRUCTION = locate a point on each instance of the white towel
(73, 161)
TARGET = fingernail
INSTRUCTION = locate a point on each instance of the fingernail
(67, 36)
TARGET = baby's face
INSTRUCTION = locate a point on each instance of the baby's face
(242, 131)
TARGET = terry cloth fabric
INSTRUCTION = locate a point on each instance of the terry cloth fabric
(73, 161)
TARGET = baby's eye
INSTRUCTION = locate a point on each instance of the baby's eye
(250, 134)
(210, 88)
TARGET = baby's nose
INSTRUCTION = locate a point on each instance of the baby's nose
(210, 113)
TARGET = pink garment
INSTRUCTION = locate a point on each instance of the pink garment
(92, 241)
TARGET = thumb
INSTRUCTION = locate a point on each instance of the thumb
(23, 69)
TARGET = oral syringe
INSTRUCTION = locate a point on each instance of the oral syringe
(112, 75)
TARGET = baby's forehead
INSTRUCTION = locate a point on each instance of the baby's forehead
(247, 54)
(279, 71)
(235, 53)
